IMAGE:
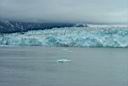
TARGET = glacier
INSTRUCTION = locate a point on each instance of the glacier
(91, 36)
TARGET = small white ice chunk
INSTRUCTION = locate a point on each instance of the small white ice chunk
(63, 60)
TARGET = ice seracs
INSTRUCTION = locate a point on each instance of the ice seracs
(81, 25)
(69, 37)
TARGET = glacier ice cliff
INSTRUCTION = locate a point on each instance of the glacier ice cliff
(92, 36)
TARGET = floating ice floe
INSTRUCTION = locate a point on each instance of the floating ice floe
(63, 60)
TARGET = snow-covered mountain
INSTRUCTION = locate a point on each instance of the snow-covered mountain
(7, 26)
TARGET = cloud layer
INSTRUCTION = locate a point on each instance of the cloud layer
(94, 11)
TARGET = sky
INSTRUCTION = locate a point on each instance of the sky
(89, 11)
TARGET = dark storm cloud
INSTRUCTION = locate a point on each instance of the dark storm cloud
(98, 11)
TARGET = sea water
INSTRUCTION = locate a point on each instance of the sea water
(39, 66)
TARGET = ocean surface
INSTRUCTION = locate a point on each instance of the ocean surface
(114, 36)
(60, 66)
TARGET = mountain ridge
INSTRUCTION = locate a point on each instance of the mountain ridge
(7, 26)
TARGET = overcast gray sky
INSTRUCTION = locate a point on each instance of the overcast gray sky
(95, 11)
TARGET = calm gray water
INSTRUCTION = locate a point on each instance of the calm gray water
(38, 66)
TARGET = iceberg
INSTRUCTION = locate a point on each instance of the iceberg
(63, 60)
